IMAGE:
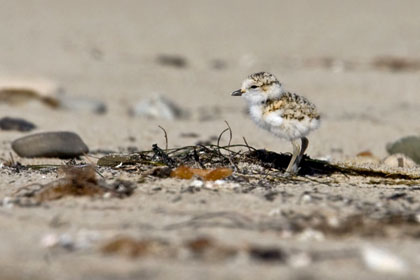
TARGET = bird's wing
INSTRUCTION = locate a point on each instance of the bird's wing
(292, 106)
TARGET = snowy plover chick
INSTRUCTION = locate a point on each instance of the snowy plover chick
(285, 114)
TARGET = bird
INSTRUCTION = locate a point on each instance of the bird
(284, 114)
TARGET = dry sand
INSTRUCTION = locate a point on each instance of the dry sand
(108, 50)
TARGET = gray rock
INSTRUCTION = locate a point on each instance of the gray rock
(7, 123)
(81, 104)
(158, 107)
(409, 146)
(50, 144)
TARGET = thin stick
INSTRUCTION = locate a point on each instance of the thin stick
(230, 133)
(246, 143)
(166, 138)
(220, 136)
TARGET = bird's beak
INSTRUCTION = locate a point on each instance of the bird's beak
(238, 92)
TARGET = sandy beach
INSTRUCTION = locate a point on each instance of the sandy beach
(357, 61)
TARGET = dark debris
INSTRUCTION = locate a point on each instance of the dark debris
(274, 164)
(77, 181)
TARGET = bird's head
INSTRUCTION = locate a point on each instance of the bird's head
(259, 87)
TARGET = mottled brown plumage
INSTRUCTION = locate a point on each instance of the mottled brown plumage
(293, 106)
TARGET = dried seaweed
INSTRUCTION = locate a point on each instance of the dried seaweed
(77, 181)
(159, 154)
(233, 156)
(213, 156)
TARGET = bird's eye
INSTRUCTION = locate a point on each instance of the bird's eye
(253, 86)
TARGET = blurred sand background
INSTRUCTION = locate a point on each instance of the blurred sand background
(108, 50)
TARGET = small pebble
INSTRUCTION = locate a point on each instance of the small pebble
(107, 195)
(18, 124)
(306, 198)
(311, 235)
(398, 160)
(158, 107)
(409, 146)
(49, 240)
(197, 183)
(221, 184)
(81, 104)
(50, 144)
(382, 261)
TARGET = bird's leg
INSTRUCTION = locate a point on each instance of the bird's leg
(297, 156)
(305, 143)
(296, 151)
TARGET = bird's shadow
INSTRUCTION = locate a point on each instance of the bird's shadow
(307, 166)
(314, 167)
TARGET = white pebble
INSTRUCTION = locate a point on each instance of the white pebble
(221, 184)
(49, 240)
(158, 107)
(107, 195)
(311, 235)
(382, 261)
(197, 183)
(306, 198)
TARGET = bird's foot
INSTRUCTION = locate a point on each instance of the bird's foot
(291, 173)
